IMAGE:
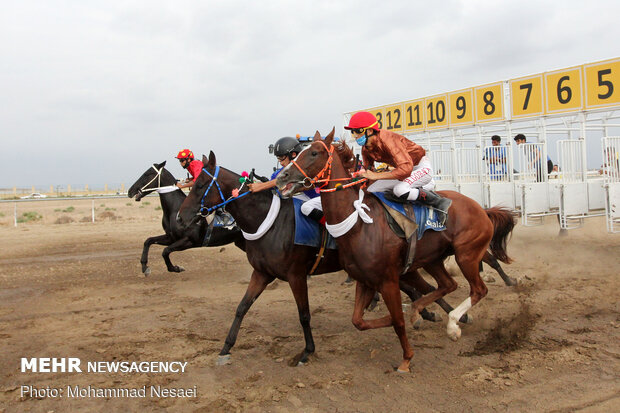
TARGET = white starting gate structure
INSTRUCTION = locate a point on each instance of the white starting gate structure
(572, 110)
(611, 185)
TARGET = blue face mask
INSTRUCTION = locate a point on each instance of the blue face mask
(361, 141)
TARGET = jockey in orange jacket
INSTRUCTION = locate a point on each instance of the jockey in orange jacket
(412, 176)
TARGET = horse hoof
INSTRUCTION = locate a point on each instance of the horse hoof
(223, 360)
(301, 363)
(511, 282)
(147, 272)
(488, 278)
(454, 332)
(416, 319)
(180, 269)
(404, 367)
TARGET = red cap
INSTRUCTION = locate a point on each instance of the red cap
(364, 120)
(185, 153)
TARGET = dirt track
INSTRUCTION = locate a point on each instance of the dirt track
(75, 290)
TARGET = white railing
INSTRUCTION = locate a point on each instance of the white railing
(611, 173)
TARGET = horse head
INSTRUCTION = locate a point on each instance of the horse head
(212, 187)
(153, 178)
(311, 167)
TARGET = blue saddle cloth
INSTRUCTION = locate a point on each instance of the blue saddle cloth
(425, 216)
(307, 231)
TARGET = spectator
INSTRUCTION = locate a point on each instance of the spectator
(496, 159)
(534, 158)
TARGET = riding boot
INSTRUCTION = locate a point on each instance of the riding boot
(439, 203)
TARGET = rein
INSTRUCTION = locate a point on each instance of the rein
(308, 182)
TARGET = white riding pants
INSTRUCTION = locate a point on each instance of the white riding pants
(309, 205)
(421, 177)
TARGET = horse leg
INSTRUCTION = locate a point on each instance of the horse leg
(391, 295)
(299, 287)
(373, 302)
(423, 287)
(161, 240)
(406, 285)
(445, 285)
(493, 263)
(477, 290)
(178, 245)
(257, 285)
(363, 297)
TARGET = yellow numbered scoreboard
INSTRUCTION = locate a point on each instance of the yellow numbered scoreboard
(393, 118)
(414, 119)
(587, 87)
(461, 107)
(602, 82)
(563, 91)
(436, 110)
(489, 101)
(526, 96)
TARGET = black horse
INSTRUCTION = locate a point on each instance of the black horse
(274, 255)
(201, 234)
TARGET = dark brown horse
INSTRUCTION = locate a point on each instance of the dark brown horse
(274, 254)
(375, 255)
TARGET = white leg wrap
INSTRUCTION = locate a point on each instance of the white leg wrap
(454, 331)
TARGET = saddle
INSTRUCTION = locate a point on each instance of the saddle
(219, 219)
(407, 220)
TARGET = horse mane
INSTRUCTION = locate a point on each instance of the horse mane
(345, 153)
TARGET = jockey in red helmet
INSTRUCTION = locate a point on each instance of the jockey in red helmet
(412, 176)
(186, 158)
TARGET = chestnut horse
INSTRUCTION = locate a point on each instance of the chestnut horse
(375, 255)
(272, 255)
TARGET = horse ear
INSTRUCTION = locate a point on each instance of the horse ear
(211, 159)
(317, 136)
(161, 165)
(330, 138)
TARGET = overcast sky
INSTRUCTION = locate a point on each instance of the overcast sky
(94, 92)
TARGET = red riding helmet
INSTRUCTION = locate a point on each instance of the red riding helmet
(185, 154)
(363, 120)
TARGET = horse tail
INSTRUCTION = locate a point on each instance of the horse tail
(504, 221)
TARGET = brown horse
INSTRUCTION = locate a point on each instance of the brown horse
(375, 255)
(273, 255)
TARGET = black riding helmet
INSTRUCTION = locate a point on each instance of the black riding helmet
(286, 146)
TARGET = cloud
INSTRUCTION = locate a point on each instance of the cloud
(122, 85)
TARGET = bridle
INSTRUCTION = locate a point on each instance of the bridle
(325, 174)
(157, 176)
(308, 182)
(204, 211)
